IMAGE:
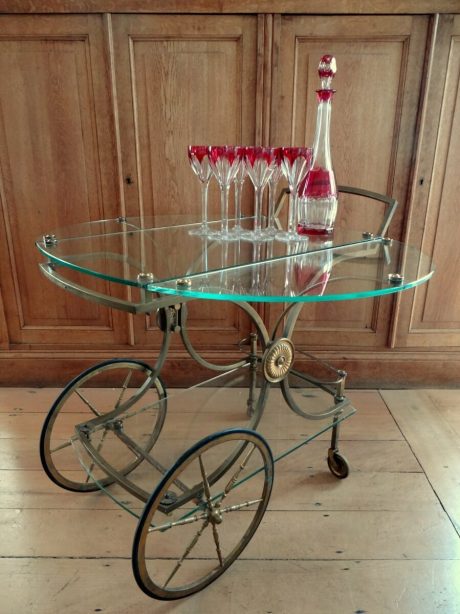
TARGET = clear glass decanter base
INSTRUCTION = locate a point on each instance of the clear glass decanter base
(319, 215)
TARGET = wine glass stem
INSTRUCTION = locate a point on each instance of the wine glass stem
(258, 210)
(271, 204)
(238, 187)
(292, 209)
(224, 208)
(204, 203)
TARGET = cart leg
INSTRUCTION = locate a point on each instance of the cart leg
(338, 464)
(252, 397)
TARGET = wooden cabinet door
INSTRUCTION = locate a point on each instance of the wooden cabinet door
(431, 319)
(184, 79)
(57, 167)
(378, 82)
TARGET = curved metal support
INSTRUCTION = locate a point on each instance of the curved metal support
(264, 337)
(390, 202)
(49, 270)
(335, 387)
(337, 408)
(291, 320)
(288, 330)
(256, 321)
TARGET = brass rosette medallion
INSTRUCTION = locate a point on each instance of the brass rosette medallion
(277, 360)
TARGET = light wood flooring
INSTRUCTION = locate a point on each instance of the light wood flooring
(386, 539)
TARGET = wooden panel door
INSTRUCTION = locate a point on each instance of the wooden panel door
(57, 167)
(380, 66)
(432, 317)
(184, 80)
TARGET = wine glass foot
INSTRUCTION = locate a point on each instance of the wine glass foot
(221, 235)
(288, 236)
(201, 231)
(257, 235)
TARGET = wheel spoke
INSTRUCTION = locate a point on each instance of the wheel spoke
(217, 542)
(236, 475)
(86, 402)
(123, 389)
(239, 506)
(189, 548)
(63, 445)
(177, 523)
(207, 490)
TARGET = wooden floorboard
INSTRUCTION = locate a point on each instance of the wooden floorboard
(384, 540)
(432, 429)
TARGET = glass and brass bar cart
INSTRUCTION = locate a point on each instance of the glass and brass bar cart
(196, 466)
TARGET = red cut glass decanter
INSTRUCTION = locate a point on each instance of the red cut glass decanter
(318, 192)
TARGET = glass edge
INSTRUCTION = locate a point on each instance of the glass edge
(80, 269)
(249, 298)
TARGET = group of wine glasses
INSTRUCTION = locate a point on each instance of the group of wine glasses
(263, 165)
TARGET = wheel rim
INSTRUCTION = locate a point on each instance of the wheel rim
(182, 553)
(134, 401)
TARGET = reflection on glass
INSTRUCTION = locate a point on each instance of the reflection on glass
(312, 271)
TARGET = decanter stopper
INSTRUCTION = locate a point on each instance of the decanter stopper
(326, 71)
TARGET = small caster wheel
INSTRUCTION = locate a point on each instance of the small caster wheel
(338, 464)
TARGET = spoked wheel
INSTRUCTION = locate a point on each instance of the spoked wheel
(180, 554)
(338, 464)
(133, 405)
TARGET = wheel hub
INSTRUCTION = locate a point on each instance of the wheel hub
(215, 516)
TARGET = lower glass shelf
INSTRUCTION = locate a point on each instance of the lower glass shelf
(128, 451)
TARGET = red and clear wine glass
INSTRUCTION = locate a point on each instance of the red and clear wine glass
(199, 161)
(224, 162)
(260, 164)
(238, 183)
(272, 186)
(295, 163)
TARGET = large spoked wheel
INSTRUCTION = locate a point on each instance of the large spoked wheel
(180, 554)
(123, 398)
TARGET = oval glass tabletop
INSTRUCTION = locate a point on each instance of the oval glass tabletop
(162, 255)
(345, 272)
